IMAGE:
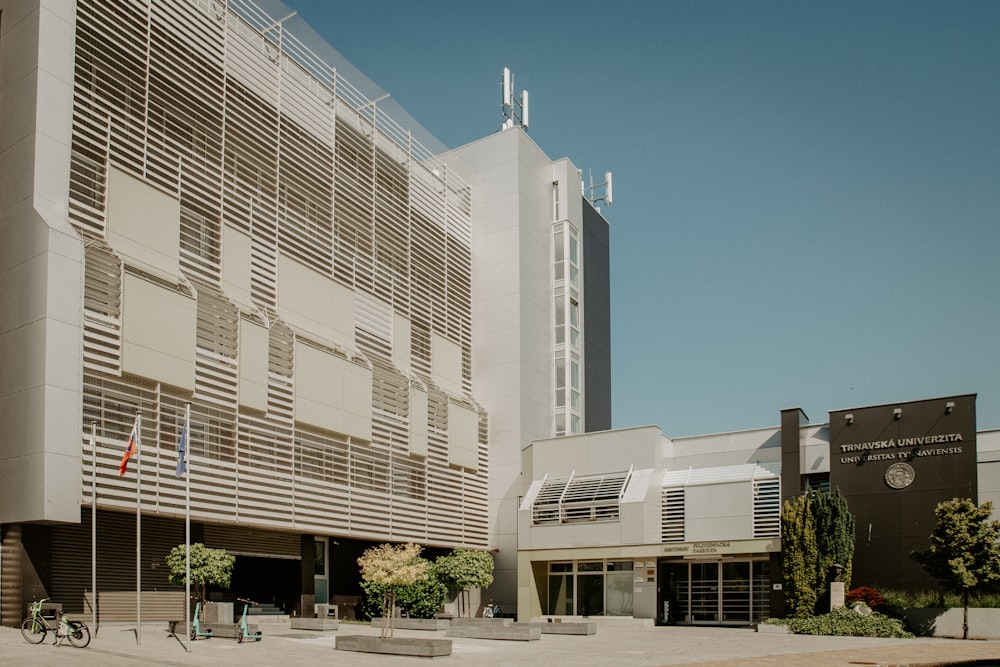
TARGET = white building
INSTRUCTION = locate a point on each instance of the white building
(203, 203)
(633, 523)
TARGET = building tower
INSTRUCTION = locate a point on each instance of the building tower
(541, 311)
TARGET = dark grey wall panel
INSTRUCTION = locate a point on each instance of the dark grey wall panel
(596, 320)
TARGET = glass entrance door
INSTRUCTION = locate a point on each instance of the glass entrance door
(704, 592)
(714, 592)
(321, 572)
(736, 592)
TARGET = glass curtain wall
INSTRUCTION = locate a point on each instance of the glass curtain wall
(590, 588)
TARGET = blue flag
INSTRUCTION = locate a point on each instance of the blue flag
(182, 452)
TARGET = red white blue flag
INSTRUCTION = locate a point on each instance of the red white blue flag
(131, 450)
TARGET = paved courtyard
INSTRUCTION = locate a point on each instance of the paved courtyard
(614, 644)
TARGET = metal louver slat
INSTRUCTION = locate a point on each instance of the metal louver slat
(253, 542)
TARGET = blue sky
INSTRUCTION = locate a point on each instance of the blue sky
(807, 194)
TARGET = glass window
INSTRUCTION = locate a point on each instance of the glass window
(320, 559)
(596, 566)
(620, 566)
(619, 597)
(561, 594)
(560, 567)
(590, 594)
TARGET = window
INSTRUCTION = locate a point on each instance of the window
(590, 588)
(672, 521)
(567, 334)
(766, 508)
(591, 498)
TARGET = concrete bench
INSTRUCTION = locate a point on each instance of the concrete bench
(493, 628)
(413, 623)
(422, 648)
(572, 628)
(321, 623)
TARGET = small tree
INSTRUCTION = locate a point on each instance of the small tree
(964, 553)
(209, 567)
(392, 565)
(800, 556)
(421, 599)
(834, 536)
(463, 569)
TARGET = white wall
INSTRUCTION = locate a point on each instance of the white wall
(512, 355)
(988, 452)
(722, 449)
(41, 268)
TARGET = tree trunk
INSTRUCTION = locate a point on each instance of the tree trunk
(388, 613)
(965, 614)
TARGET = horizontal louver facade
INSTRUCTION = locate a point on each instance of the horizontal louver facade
(284, 175)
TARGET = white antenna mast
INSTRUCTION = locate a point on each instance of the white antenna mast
(593, 195)
(514, 112)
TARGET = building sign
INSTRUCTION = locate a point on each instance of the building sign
(695, 549)
(897, 450)
(894, 464)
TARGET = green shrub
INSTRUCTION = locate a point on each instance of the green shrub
(937, 599)
(845, 622)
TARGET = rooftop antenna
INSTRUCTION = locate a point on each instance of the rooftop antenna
(514, 112)
(595, 194)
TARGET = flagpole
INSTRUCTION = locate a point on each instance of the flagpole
(138, 529)
(185, 434)
(93, 525)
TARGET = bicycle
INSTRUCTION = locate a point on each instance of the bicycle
(492, 610)
(35, 627)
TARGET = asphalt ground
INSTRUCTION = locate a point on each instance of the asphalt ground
(614, 644)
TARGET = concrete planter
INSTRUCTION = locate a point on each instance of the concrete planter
(571, 628)
(423, 648)
(219, 612)
(321, 624)
(774, 629)
(413, 623)
(493, 628)
(940, 622)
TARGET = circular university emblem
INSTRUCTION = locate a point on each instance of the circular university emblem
(899, 475)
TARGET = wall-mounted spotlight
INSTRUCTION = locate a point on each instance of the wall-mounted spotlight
(949, 407)
(897, 413)
(849, 418)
